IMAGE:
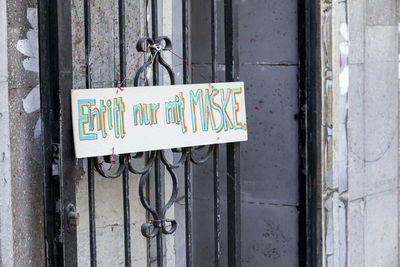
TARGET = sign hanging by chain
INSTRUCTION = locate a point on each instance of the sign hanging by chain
(157, 117)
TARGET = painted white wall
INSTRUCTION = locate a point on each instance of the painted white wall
(6, 236)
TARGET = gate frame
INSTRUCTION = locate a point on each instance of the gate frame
(309, 123)
(60, 166)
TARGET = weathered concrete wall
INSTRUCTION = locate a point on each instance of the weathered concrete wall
(25, 134)
(360, 77)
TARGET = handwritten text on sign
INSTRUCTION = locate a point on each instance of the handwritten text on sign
(159, 117)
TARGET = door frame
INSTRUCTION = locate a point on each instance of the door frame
(309, 122)
(55, 47)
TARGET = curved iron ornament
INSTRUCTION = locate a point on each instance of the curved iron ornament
(126, 161)
(159, 223)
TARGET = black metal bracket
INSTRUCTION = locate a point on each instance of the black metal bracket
(155, 47)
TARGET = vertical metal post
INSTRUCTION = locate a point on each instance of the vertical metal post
(124, 161)
(308, 131)
(127, 223)
(157, 163)
(154, 33)
(122, 40)
(47, 26)
(217, 212)
(233, 191)
(88, 41)
(92, 213)
(185, 39)
(158, 200)
(188, 210)
(214, 38)
(91, 183)
(188, 164)
(233, 149)
(55, 52)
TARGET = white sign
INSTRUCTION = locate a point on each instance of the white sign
(157, 117)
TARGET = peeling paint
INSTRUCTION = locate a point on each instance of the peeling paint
(38, 128)
(31, 102)
(30, 46)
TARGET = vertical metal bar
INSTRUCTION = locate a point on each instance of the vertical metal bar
(158, 199)
(154, 32)
(188, 211)
(214, 36)
(92, 213)
(88, 41)
(185, 39)
(233, 194)
(232, 149)
(50, 115)
(55, 46)
(308, 131)
(157, 164)
(125, 174)
(188, 164)
(91, 190)
(127, 223)
(217, 212)
(122, 40)
(67, 166)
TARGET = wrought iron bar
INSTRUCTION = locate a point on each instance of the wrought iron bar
(124, 161)
(91, 189)
(92, 213)
(189, 209)
(154, 33)
(158, 226)
(214, 36)
(308, 124)
(185, 39)
(232, 149)
(217, 210)
(158, 199)
(188, 166)
(127, 222)
(122, 41)
(50, 115)
(217, 200)
(88, 41)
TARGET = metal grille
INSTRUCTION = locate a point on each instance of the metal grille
(55, 49)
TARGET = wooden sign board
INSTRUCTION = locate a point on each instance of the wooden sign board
(157, 117)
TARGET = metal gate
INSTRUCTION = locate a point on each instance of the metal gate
(61, 167)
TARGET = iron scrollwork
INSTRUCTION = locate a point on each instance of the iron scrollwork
(159, 223)
(126, 161)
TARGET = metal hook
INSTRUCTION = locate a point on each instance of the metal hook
(157, 45)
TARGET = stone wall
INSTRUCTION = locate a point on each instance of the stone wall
(360, 140)
(24, 133)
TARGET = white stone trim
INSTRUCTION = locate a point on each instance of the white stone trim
(6, 233)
